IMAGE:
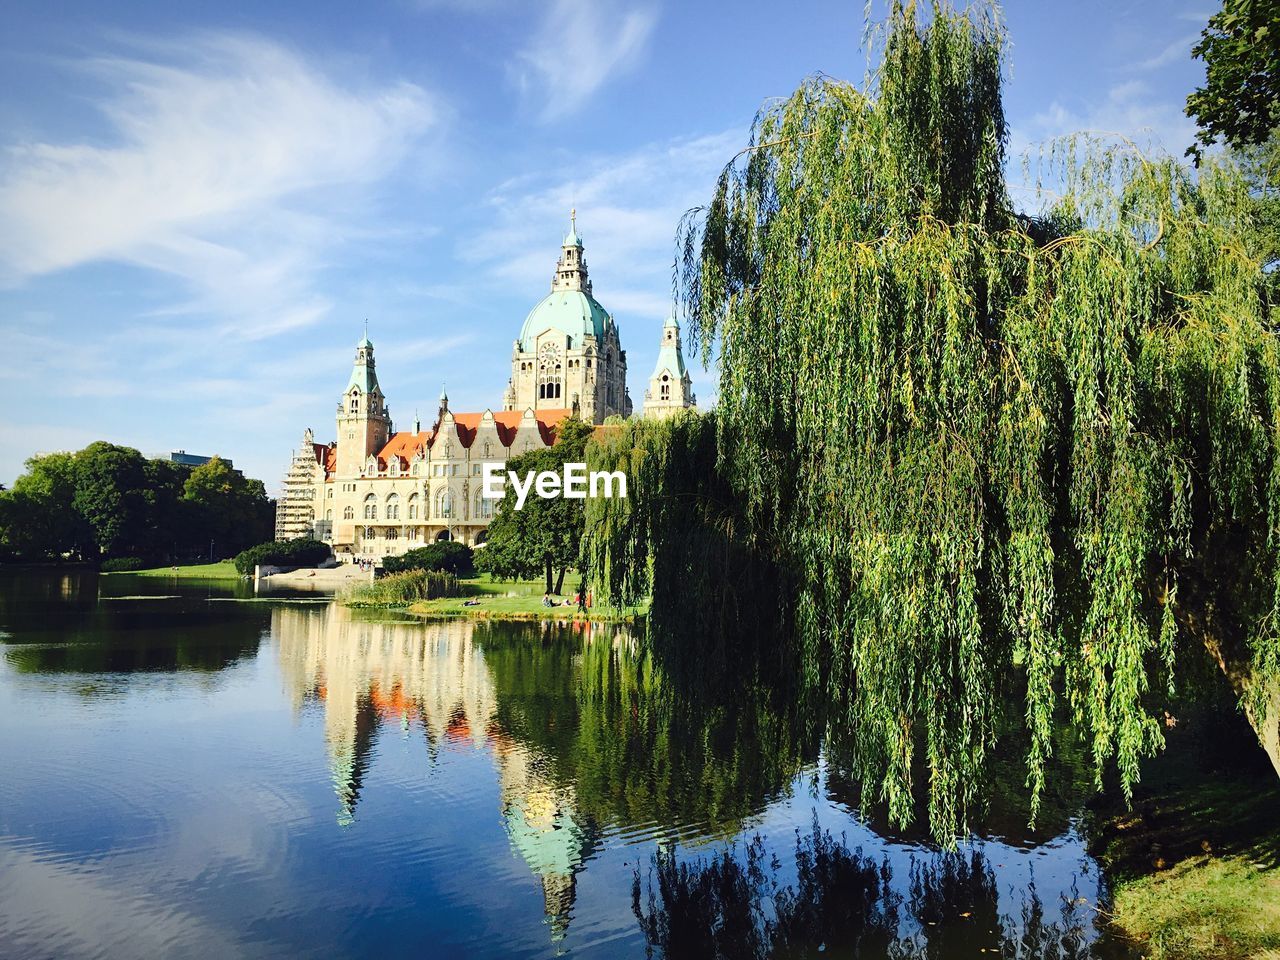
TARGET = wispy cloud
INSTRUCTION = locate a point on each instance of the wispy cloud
(578, 47)
(628, 207)
(1131, 109)
(228, 164)
(1180, 49)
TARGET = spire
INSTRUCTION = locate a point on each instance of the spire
(571, 268)
(572, 239)
(363, 374)
(670, 387)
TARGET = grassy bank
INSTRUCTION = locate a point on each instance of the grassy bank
(1196, 864)
(222, 570)
(482, 597)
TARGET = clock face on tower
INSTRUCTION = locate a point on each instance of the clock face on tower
(549, 354)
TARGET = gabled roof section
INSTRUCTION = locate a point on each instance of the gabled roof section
(405, 446)
(507, 423)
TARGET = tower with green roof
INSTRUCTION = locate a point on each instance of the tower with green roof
(569, 355)
(364, 421)
(670, 388)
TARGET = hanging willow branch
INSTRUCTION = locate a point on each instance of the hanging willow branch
(993, 451)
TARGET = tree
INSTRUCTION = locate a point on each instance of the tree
(37, 517)
(993, 451)
(544, 537)
(448, 555)
(110, 494)
(1240, 101)
(232, 511)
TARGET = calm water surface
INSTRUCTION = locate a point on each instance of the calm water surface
(190, 770)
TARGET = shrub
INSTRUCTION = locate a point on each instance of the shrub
(282, 553)
(400, 589)
(446, 555)
(122, 564)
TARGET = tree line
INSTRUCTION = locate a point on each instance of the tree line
(109, 502)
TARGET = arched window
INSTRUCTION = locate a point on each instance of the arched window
(444, 503)
(484, 506)
(393, 534)
(328, 514)
(371, 507)
(393, 507)
(355, 402)
(413, 506)
(664, 391)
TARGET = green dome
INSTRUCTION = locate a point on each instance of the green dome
(571, 311)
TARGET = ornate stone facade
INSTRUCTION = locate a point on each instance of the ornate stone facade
(568, 353)
(375, 492)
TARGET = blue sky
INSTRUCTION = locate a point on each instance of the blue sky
(201, 203)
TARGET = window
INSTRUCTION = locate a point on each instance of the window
(484, 507)
(328, 514)
(355, 403)
(371, 507)
(413, 507)
(348, 513)
(330, 493)
(444, 503)
(393, 534)
(393, 507)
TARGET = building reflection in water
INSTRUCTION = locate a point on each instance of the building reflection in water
(367, 674)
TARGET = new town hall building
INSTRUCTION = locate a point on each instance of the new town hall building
(375, 491)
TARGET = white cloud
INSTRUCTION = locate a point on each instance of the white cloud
(229, 163)
(579, 46)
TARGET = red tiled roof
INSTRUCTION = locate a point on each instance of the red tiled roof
(405, 444)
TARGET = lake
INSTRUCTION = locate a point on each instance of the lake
(190, 770)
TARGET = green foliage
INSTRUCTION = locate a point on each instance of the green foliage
(993, 452)
(234, 510)
(402, 589)
(679, 536)
(110, 485)
(110, 501)
(456, 558)
(543, 538)
(301, 552)
(122, 564)
(1240, 101)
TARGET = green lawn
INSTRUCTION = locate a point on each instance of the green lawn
(1196, 866)
(222, 570)
(516, 600)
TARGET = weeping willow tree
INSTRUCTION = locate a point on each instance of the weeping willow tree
(994, 451)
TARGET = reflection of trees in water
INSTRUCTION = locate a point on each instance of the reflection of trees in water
(639, 749)
(79, 623)
(842, 904)
(588, 734)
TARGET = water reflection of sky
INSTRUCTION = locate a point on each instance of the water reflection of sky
(328, 785)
